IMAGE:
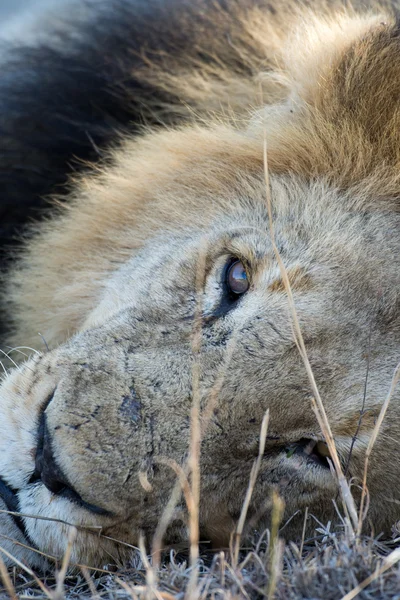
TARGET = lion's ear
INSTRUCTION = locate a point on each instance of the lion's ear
(342, 119)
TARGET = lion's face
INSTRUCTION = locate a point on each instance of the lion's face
(85, 430)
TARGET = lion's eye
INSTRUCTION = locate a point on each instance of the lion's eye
(236, 278)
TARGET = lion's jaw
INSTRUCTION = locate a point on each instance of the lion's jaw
(117, 396)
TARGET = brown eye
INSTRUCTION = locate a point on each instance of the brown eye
(236, 278)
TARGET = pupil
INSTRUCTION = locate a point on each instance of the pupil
(237, 278)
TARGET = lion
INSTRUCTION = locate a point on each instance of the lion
(152, 279)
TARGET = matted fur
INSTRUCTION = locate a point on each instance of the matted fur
(109, 279)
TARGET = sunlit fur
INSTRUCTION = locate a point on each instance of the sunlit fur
(110, 282)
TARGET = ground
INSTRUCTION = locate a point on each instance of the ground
(330, 567)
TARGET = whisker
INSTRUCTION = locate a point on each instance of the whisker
(16, 365)
(20, 348)
(9, 358)
(362, 411)
(4, 369)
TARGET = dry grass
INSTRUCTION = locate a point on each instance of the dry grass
(335, 564)
(330, 567)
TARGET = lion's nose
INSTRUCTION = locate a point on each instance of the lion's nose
(46, 468)
(51, 475)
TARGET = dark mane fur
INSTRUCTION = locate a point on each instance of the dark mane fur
(63, 101)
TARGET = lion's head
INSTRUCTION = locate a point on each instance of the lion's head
(91, 432)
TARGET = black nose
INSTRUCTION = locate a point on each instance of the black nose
(50, 474)
(46, 468)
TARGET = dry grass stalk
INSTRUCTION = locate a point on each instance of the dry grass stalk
(151, 575)
(276, 546)
(303, 533)
(195, 428)
(167, 596)
(90, 528)
(164, 522)
(278, 506)
(192, 495)
(138, 590)
(250, 488)
(8, 584)
(182, 485)
(59, 592)
(275, 570)
(93, 592)
(128, 588)
(144, 482)
(371, 443)
(216, 388)
(320, 412)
